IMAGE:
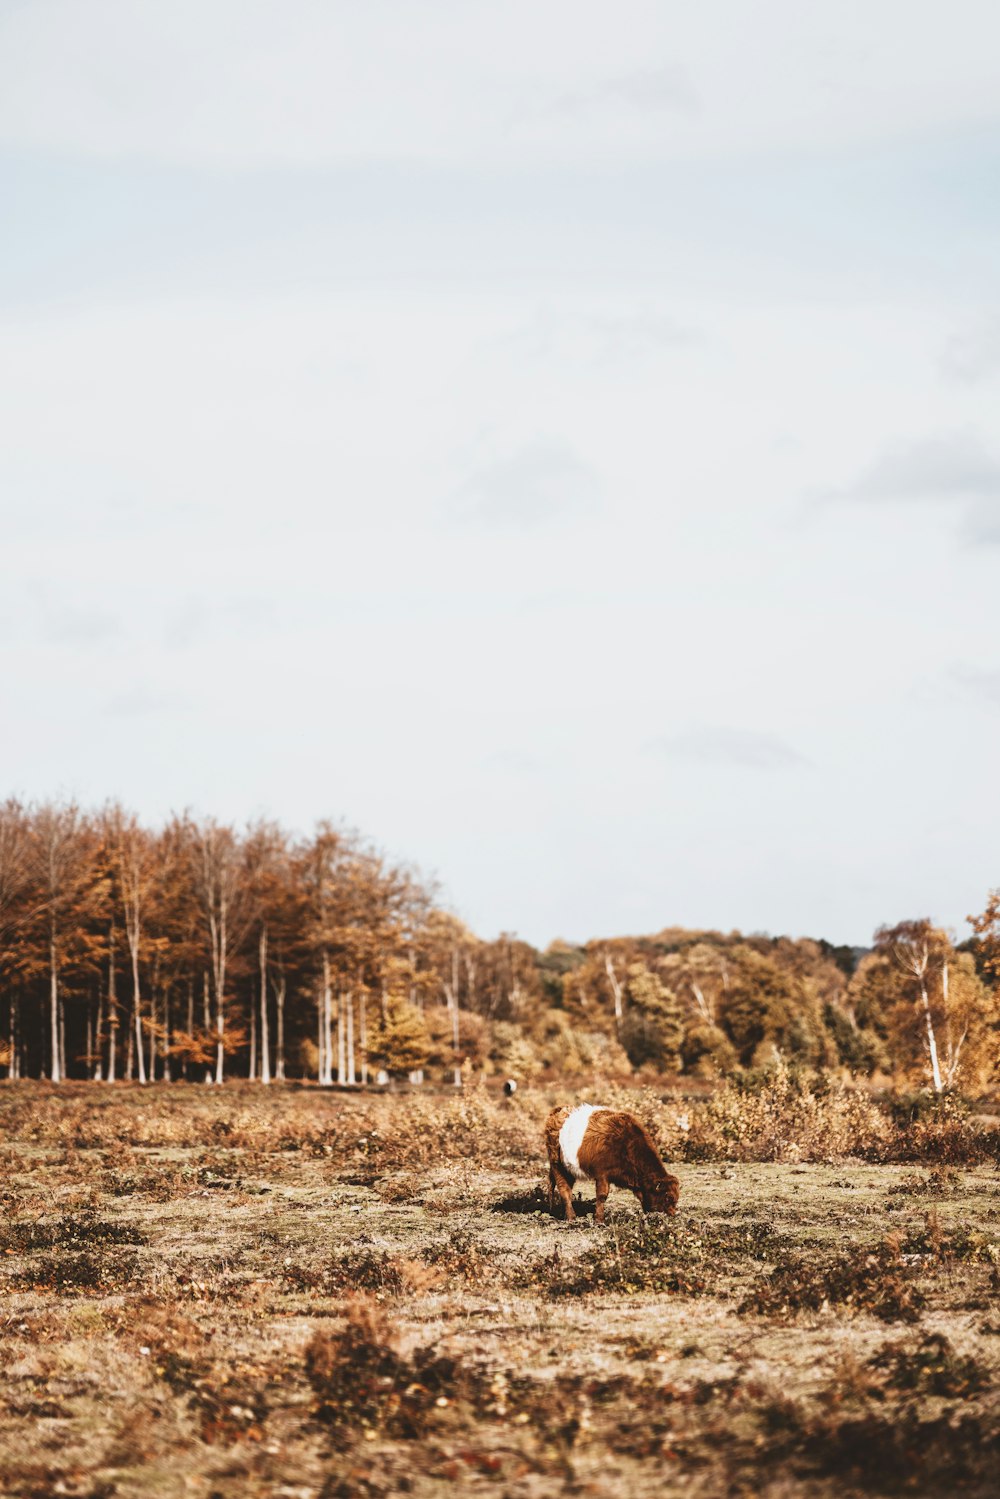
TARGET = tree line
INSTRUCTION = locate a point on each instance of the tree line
(199, 951)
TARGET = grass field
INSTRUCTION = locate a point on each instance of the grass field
(247, 1292)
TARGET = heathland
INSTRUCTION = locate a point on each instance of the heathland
(291, 1291)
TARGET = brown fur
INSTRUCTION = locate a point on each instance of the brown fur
(616, 1151)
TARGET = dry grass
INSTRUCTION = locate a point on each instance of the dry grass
(239, 1292)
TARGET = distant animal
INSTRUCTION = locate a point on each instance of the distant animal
(613, 1149)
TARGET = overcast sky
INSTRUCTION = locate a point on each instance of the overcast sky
(561, 440)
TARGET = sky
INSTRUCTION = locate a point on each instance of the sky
(559, 440)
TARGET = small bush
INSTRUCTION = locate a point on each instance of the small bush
(26, 1235)
(932, 1368)
(73, 1271)
(361, 1380)
(642, 1254)
(876, 1280)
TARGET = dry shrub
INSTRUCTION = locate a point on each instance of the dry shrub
(641, 1254)
(472, 1128)
(884, 1452)
(936, 1183)
(786, 1117)
(359, 1269)
(932, 1368)
(460, 1257)
(951, 1243)
(361, 1380)
(70, 1231)
(227, 1400)
(940, 1129)
(876, 1279)
(71, 1272)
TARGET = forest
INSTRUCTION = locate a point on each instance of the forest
(198, 951)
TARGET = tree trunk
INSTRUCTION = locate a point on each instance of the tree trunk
(265, 1049)
(190, 1022)
(166, 1062)
(279, 996)
(14, 1070)
(252, 1072)
(112, 1006)
(327, 1077)
(207, 1021)
(364, 1038)
(341, 1042)
(931, 1042)
(702, 1003)
(54, 1006)
(451, 996)
(351, 1076)
(137, 1003)
(220, 1004)
(616, 990)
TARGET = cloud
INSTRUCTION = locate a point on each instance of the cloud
(138, 702)
(649, 90)
(984, 684)
(974, 354)
(956, 469)
(543, 481)
(80, 626)
(193, 621)
(719, 745)
(938, 468)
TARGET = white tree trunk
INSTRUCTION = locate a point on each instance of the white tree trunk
(616, 990)
(54, 1009)
(327, 1077)
(931, 1041)
(133, 943)
(265, 1047)
(207, 1020)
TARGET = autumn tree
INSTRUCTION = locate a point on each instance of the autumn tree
(64, 867)
(19, 903)
(926, 1001)
(398, 1039)
(218, 871)
(652, 1026)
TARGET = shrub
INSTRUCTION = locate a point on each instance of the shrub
(932, 1368)
(360, 1379)
(641, 1254)
(785, 1115)
(874, 1279)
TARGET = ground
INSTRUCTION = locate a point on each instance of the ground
(241, 1291)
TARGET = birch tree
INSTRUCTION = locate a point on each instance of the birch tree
(218, 874)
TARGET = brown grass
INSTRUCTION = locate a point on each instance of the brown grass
(242, 1292)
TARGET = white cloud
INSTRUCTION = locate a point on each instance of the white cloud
(543, 481)
(253, 82)
(973, 354)
(720, 745)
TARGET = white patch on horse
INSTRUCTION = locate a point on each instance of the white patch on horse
(572, 1133)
